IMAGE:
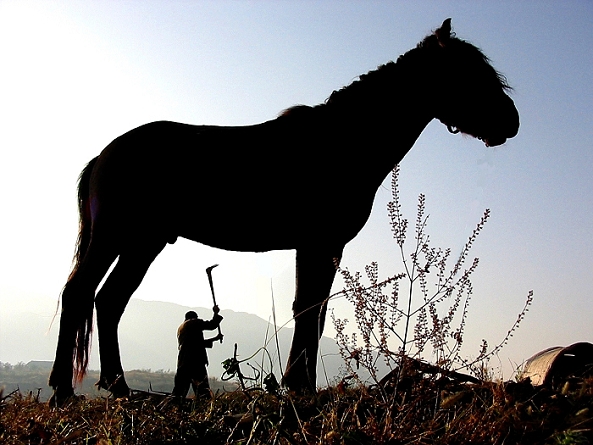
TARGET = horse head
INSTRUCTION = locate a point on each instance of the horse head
(469, 95)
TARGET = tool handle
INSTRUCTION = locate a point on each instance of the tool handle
(209, 273)
(211, 286)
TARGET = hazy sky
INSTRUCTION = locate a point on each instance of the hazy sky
(75, 75)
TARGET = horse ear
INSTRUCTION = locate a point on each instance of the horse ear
(444, 32)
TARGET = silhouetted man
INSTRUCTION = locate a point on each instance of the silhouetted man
(192, 359)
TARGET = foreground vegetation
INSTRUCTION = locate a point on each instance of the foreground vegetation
(420, 410)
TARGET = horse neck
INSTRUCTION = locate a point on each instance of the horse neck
(385, 111)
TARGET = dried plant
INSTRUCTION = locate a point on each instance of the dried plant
(429, 298)
(493, 413)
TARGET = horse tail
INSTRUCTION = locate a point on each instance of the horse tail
(84, 216)
(84, 303)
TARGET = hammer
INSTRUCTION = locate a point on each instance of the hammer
(209, 273)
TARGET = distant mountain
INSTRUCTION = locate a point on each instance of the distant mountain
(148, 340)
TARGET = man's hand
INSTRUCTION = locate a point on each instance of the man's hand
(216, 309)
(218, 337)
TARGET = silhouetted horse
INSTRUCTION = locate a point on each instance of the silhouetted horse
(305, 180)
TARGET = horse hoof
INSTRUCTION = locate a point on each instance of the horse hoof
(61, 397)
(118, 389)
(297, 385)
(120, 393)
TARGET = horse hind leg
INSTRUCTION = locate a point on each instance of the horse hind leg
(111, 302)
(76, 321)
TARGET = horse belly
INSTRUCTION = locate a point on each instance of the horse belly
(241, 231)
(269, 225)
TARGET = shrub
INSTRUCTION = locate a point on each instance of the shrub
(429, 297)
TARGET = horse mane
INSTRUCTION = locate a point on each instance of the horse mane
(382, 78)
(367, 85)
(296, 111)
(467, 51)
(352, 95)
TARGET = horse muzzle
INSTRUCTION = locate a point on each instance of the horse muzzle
(510, 130)
(493, 142)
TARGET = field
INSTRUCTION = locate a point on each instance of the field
(32, 378)
(420, 410)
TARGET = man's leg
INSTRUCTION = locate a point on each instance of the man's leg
(182, 382)
(200, 383)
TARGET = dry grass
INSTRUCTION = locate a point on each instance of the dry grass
(421, 411)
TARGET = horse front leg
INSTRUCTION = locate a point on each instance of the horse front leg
(315, 272)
